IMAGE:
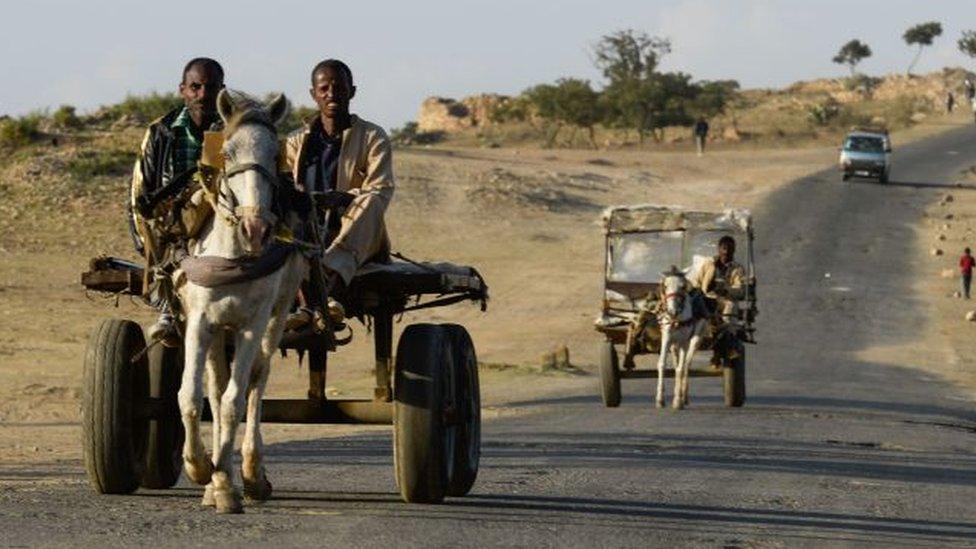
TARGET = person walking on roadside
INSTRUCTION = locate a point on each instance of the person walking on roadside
(950, 102)
(966, 264)
(701, 132)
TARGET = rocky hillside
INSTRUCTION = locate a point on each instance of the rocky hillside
(807, 109)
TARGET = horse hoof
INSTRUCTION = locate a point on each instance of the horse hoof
(259, 490)
(677, 405)
(208, 496)
(228, 502)
(660, 403)
(199, 472)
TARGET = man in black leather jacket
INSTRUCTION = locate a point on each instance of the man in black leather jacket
(166, 163)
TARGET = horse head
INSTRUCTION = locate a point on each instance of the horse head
(674, 292)
(251, 151)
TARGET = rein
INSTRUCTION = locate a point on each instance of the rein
(665, 318)
(223, 202)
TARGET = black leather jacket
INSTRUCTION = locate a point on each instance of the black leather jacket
(153, 179)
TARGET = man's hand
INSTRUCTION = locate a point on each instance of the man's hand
(333, 199)
(144, 206)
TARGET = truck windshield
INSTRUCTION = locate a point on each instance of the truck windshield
(864, 144)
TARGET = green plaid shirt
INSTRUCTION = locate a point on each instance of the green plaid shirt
(187, 143)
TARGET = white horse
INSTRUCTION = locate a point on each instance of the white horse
(250, 312)
(681, 334)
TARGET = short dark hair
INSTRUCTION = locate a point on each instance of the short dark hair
(967, 250)
(203, 62)
(335, 64)
(727, 240)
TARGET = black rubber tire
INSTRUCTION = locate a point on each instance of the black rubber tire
(883, 178)
(609, 375)
(734, 379)
(113, 435)
(467, 446)
(423, 444)
(164, 450)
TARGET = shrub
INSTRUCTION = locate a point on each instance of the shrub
(18, 132)
(823, 113)
(861, 82)
(410, 135)
(142, 107)
(65, 117)
(91, 164)
(296, 118)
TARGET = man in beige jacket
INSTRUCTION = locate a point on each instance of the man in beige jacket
(338, 151)
(721, 280)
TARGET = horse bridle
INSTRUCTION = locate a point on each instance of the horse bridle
(235, 213)
(673, 321)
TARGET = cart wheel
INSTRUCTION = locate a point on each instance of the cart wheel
(734, 377)
(164, 451)
(422, 392)
(467, 446)
(609, 375)
(113, 435)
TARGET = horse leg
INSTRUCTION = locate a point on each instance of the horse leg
(693, 344)
(661, 362)
(678, 402)
(232, 402)
(198, 338)
(218, 375)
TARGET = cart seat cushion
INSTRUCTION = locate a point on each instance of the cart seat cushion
(414, 278)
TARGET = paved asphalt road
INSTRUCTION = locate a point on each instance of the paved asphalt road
(829, 450)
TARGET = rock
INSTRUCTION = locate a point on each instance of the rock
(443, 114)
(971, 316)
(548, 361)
(948, 216)
(947, 198)
(731, 133)
(936, 251)
(450, 115)
(562, 356)
(948, 273)
(919, 116)
(957, 294)
(942, 237)
(946, 226)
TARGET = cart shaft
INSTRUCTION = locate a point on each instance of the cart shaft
(306, 411)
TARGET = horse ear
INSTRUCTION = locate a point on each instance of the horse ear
(278, 108)
(225, 105)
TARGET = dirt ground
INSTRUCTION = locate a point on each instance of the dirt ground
(527, 219)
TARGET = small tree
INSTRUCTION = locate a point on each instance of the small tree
(921, 35)
(570, 101)
(713, 97)
(629, 54)
(852, 53)
(967, 43)
(637, 96)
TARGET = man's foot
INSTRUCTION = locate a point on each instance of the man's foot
(164, 330)
(337, 313)
(298, 319)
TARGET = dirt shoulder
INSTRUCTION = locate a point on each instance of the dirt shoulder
(526, 218)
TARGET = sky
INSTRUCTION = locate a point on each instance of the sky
(95, 52)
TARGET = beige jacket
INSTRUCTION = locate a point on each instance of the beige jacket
(735, 280)
(366, 171)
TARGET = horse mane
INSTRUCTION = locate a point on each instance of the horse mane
(247, 110)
